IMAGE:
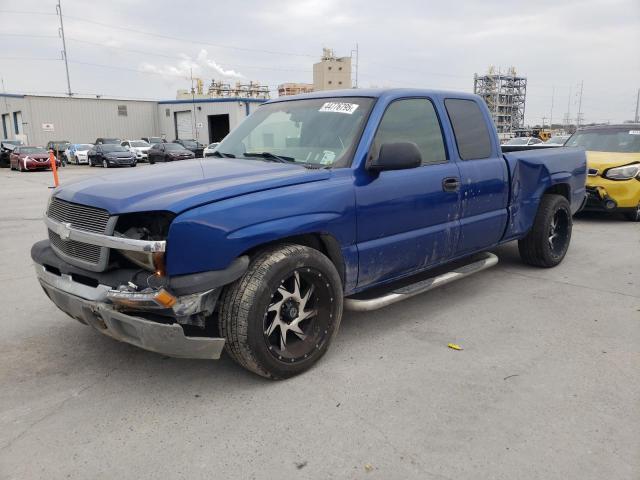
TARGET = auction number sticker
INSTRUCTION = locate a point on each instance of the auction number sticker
(339, 107)
(634, 132)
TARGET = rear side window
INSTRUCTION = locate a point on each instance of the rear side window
(413, 120)
(470, 128)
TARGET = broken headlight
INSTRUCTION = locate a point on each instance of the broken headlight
(625, 172)
(150, 226)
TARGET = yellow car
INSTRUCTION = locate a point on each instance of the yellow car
(613, 162)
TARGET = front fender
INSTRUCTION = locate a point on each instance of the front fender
(210, 237)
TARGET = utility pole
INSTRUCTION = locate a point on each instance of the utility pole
(356, 66)
(568, 117)
(578, 118)
(194, 129)
(553, 93)
(637, 119)
(64, 47)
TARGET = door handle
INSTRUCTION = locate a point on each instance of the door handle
(451, 184)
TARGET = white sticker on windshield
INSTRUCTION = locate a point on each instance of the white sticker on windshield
(634, 132)
(339, 107)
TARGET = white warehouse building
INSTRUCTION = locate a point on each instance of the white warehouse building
(38, 119)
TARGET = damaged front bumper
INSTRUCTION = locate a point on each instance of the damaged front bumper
(139, 317)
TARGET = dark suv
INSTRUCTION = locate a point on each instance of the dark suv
(58, 147)
(107, 141)
(192, 145)
(168, 152)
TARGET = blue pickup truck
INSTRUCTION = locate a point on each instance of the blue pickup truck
(350, 199)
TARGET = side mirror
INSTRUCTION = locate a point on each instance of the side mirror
(396, 156)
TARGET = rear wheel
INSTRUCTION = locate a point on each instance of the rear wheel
(280, 317)
(633, 216)
(547, 242)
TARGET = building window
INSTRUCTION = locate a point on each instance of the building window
(5, 120)
(329, 68)
(329, 82)
(122, 110)
(339, 68)
(167, 112)
(339, 83)
(16, 122)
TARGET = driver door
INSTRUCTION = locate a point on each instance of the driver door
(408, 219)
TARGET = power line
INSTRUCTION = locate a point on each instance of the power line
(24, 12)
(27, 35)
(177, 57)
(187, 40)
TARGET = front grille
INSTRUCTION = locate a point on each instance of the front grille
(81, 217)
(90, 219)
(81, 251)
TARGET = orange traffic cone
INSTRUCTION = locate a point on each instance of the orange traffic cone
(54, 168)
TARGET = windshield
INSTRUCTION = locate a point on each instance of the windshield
(140, 143)
(110, 140)
(622, 140)
(83, 146)
(320, 131)
(155, 140)
(557, 140)
(13, 142)
(517, 141)
(32, 150)
(112, 148)
(189, 144)
(173, 146)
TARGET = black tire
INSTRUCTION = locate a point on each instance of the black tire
(547, 242)
(105, 164)
(247, 316)
(633, 216)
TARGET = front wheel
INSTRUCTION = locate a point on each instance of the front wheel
(105, 164)
(280, 317)
(547, 242)
(633, 216)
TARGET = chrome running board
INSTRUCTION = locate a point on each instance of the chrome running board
(485, 261)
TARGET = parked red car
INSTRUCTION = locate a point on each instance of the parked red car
(30, 158)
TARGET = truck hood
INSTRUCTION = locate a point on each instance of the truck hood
(180, 186)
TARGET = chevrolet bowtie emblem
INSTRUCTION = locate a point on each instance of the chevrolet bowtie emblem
(66, 231)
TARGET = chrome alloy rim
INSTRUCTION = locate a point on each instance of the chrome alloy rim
(297, 320)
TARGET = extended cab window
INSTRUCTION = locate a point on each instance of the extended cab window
(470, 128)
(413, 120)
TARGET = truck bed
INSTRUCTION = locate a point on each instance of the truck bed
(534, 170)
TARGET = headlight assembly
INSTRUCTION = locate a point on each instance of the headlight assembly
(625, 172)
(145, 226)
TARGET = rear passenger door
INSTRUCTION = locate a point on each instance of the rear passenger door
(484, 177)
(407, 219)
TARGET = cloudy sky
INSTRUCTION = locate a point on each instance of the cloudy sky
(145, 49)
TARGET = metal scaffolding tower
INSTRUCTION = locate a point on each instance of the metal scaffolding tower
(505, 94)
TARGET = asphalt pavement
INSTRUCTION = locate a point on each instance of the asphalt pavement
(547, 385)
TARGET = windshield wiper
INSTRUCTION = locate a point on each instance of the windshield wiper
(270, 156)
(223, 155)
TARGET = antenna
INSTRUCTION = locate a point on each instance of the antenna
(64, 47)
